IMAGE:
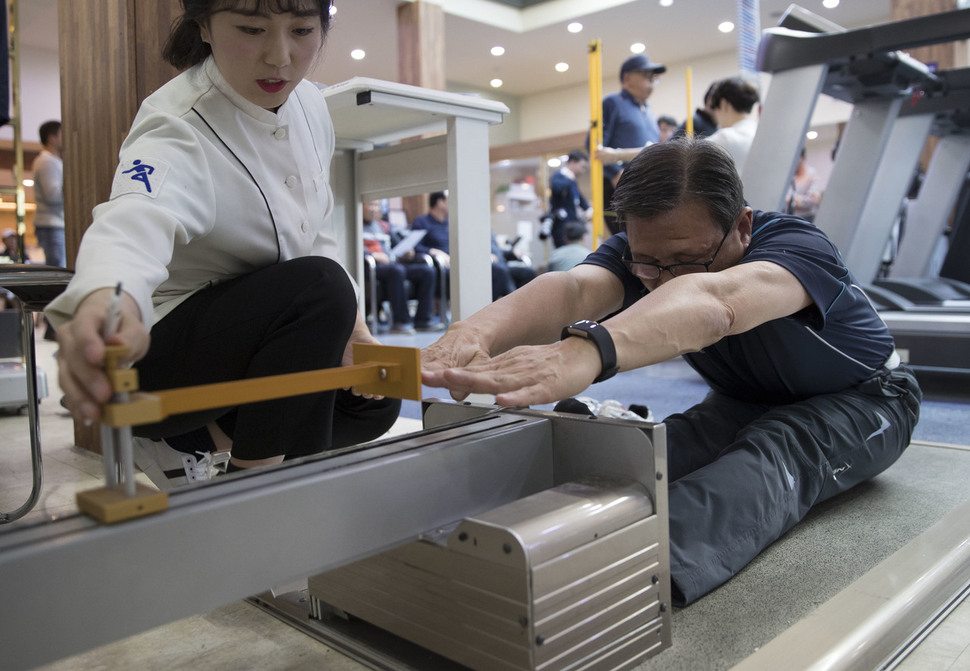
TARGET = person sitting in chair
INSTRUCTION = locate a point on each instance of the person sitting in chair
(391, 275)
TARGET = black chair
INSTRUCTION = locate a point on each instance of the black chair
(375, 296)
(35, 286)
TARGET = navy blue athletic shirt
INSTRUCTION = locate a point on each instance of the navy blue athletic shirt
(833, 344)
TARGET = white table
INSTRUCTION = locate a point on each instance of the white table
(371, 119)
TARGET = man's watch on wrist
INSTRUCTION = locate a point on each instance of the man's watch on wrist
(599, 336)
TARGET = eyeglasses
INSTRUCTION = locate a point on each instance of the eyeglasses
(652, 271)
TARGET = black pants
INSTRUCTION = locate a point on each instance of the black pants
(422, 278)
(742, 474)
(293, 316)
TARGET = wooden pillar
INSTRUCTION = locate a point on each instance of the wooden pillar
(421, 44)
(946, 56)
(110, 60)
(421, 62)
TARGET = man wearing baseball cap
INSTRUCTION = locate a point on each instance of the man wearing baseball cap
(628, 124)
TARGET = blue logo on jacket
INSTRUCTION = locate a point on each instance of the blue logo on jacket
(141, 172)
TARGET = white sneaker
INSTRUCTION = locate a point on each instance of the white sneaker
(166, 467)
(612, 408)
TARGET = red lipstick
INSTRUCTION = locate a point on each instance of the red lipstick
(271, 85)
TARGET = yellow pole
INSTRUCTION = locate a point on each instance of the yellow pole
(690, 107)
(596, 136)
(16, 123)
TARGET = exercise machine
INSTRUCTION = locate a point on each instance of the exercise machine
(897, 102)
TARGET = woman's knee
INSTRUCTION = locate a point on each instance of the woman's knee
(319, 283)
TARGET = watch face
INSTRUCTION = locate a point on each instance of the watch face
(582, 327)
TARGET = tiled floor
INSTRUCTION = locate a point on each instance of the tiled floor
(239, 635)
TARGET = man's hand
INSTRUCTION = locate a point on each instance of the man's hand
(527, 375)
(80, 357)
(607, 154)
(460, 346)
(441, 257)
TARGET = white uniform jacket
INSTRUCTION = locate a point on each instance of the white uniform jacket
(737, 139)
(209, 187)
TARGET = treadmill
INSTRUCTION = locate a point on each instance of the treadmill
(897, 103)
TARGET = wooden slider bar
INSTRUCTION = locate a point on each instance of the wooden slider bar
(383, 370)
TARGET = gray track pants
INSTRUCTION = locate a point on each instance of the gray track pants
(742, 474)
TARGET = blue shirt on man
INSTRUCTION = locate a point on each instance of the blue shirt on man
(436, 236)
(626, 124)
(836, 343)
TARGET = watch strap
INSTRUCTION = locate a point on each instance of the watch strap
(599, 336)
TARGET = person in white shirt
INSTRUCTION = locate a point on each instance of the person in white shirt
(219, 230)
(733, 101)
(48, 169)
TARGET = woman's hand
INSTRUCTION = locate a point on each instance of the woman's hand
(360, 334)
(80, 356)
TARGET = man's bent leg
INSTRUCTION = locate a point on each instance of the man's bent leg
(792, 457)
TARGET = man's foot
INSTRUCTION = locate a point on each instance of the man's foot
(436, 325)
(166, 467)
(584, 405)
(402, 329)
(573, 406)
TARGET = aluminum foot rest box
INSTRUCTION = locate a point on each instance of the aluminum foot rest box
(13, 385)
(567, 578)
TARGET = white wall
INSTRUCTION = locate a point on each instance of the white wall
(40, 98)
(508, 131)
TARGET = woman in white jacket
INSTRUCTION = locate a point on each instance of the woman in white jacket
(219, 230)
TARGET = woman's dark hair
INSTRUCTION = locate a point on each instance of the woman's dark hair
(185, 47)
(677, 172)
(741, 95)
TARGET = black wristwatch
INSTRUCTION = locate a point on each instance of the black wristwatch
(599, 337)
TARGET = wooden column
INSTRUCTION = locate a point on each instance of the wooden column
(946, 56)
(421, 44)
(421, 62)
(110, 60)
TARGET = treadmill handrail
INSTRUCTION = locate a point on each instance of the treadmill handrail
(784, 49)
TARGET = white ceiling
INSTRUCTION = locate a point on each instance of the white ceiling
(535, 38)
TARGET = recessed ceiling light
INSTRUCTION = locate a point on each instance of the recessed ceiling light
(811, 135)
(830, 4)
(496, 83)
(575, 27)
(554, 162)
(638, 47)
(498, 51)
(562, 67)
(358, 54)
(666, 3)
(333, 9)
(725, 26)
